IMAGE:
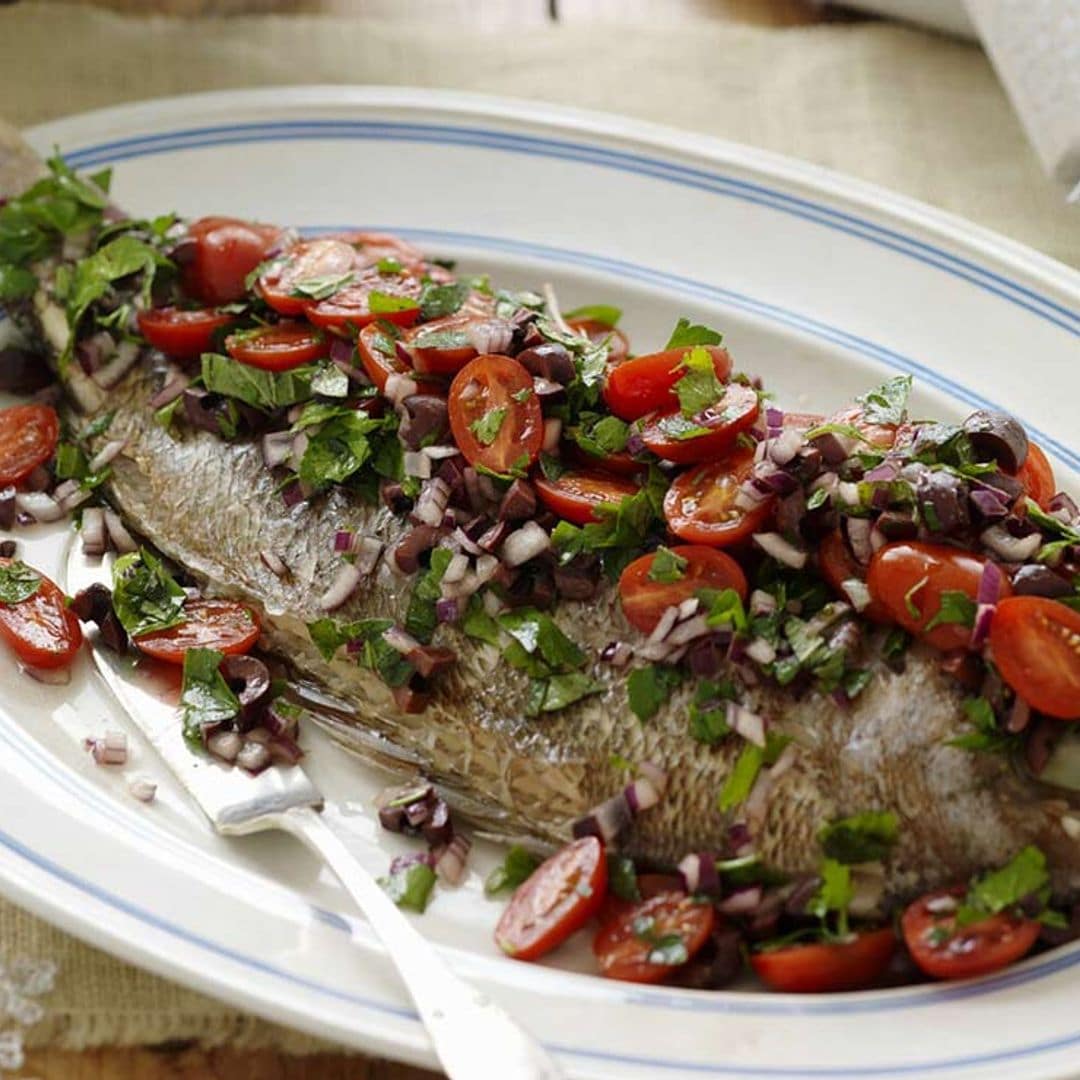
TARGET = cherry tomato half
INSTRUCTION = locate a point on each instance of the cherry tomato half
(649, 885)
(372, 247)
(495, 415)
(838, 565)
(220, 253)
(41, 630)
(444, 346)
(706, 436)
(310, 260)
(224, 625)
(881, 436)
(652, 939)
(943, 950)
(1036, 645)
(351, 307)
(646, 384)
(28, 438)
(278, 348)
(561, 896)
(644, 600)
(908, 579)
(826, 967)
(700, 504)
(597, 332)
(576, 494)
(1037, 476)
(183, 334)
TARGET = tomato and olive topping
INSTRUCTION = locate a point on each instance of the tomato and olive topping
(184, 333)
(706, 435)
(827, 966)
(929, 589)
(577, 495)
(35, 620)
(1036, 646)
(224, 625)
(702, 505)
(646, 384)
(28, 438)
(219, 253)
(655, 582)
(944, 949)
(495, 415)
(280, 347)
(650, 940)
(560, 897)
(288, 282)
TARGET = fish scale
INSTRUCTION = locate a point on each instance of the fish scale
(212, 507)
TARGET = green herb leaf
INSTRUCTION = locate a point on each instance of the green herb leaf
(667, 567)
(421, 620)
(438, 301)
(16, 283)
(622, 878)
(267, 390)
(708, 711)
(866, 837)
(145, 597)
(380, 303)
(487, 427)
(478, 624)
(988, 737)
(205, 697)
(18, 582)
(515, 869)
(834, 895)
(411, 888)
(699, 388)
(723, 609)
(678, 427)
(389, 265)
(1025, 875)
(600, 435)
(686, 335)
(648, 688)
(956, 607)
(319, 288)
(328, 636)
(888, 403)
(339, 449)
(539, 635)
(604, 314)
(558, 691)
(1049, 523)
(747, 765)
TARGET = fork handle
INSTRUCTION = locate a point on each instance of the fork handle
(470, 1032)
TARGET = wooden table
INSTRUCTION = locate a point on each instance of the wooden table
(193, 1064)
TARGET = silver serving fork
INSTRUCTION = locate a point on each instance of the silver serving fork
(468, 1030)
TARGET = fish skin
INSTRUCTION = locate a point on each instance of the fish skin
(212, 508)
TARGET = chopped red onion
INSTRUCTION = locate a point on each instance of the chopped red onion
(456, 568)
(462, 539)
(490, 335)
(980, 630)
(273, 563)
(748, 724)
(990, 582)
(277, 448)
(742, 901)
(884, 472)
(699, 873)
(399, 387)
(858, 537)
(111, 750)
(400, 641)
(450, 861)
(552, 434)
(762, 603)
(439, 453)
(417, 463)
(668, 618)
(687, 631)
(990, 504)
(1019, 715)
(785, 447)
(142, 789)
(748, 497)
(293, 494)
(447, 610)
(93, 531)
(225, 745)
(342, 351)
(121, 539)
(775, 545)
(107, 454)
(525, 544)
(655, 775)
(39, 506)
(432, 502)
(284, 750)
(367, 556)
(1010, 548)
(122, 361)
(774, 421)
(254, 757)
(346, 542)
(641, 795)
(606, 821)
(1064, 508)
(760, 651)
(942, 904)
(857, 592)
(170, 391)
(343, 586)
(73, 497)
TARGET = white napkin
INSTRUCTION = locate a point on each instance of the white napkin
(1035, 46)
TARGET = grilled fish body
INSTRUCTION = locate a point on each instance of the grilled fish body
(212, 507)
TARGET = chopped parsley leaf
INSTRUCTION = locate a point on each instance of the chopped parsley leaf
(708, 711)
(987, 737)
(604, 314)
(411, 887)
(745, 771)
(18, 582)
(145, 596)
(205, 698)
(865, 837)
(648, 688)
(555, 692)
(438, 301)
(834, 895)
(515, 869)
(380, 303)
(667, 567)
(888, 403)
(487, 427)
(622, 878)
(686, 335)
(956, 607)
(698, 388)
(1025, 875)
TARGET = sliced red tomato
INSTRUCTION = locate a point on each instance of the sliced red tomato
(908, 579)
(618, 343)
(561, 896)
(644, 600)
(352, 306)
(181, 333)
(221, 252)
(1036, 644)
(706, 436)
(373, 247)
(621, 463)
(1037, 476)
(700, 504)
(224, 625)
(649, 885)
(444, 346)
(28, 438)
(278, 348)
(882, 436)
(646, 384)
(822, 968)
(41, 630)
(652, 939)
(576, 494)
(946, 951)
(323, 259)
(838, 565)
(495, 415)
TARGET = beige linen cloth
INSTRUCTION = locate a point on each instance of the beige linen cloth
(918, 113)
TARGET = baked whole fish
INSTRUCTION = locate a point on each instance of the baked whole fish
(492, 734)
